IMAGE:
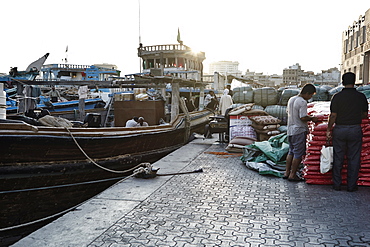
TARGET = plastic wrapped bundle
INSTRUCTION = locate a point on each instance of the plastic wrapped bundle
(326, 87)
(265, 96)
(367, 93)
(287, 94)
(243, 97)
(363, 88)
(278, 111)
(258, 107)
(280, 91)
(321, 94)
(335, 90)
(242, 89)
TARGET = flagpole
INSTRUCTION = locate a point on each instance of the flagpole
(66, 57)
(139, 35)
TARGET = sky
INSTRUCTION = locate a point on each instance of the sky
(263, 36)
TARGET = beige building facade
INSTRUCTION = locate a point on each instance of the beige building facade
(225, 68)
(356, 49)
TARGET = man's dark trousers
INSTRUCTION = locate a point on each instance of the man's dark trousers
(347, 140)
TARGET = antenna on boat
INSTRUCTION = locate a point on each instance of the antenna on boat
(140, 44)
(66, 57)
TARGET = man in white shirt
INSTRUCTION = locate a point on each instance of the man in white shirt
(297, 130)
(132, 122)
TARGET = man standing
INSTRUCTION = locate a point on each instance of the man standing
(347, 108)
(297, 130)
(225, 102)
(228, 87)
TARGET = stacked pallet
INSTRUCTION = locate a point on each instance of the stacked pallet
(317, 139)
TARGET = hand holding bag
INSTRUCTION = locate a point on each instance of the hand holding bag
(326, 159)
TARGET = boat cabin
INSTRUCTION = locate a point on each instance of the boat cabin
(176, 60)
(73, 72)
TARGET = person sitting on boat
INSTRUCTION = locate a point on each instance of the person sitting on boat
(54, 95)
(211, 101)
(132, 122)
(141, 122)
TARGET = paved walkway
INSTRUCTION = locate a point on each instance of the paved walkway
(226, 205)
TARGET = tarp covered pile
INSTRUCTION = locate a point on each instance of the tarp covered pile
(317, 139)
(267, 157)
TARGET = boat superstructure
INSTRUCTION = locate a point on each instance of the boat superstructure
(75, 72)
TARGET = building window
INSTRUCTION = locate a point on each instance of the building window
(360, 72)
(363, 34)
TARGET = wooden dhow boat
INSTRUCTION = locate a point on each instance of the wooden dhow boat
(46, 170)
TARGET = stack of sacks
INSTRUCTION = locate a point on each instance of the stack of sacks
(241, 132)
(364, 174)
(317, 138)
(237, 144)
(265, 126)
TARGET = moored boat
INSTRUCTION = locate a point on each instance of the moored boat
(46, 170)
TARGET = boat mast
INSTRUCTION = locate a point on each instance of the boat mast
(66, 56)
(140, 44)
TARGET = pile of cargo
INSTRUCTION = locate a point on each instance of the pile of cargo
(274, 101)
(317, 139)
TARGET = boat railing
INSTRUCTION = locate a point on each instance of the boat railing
(65, 66)
(156, 48)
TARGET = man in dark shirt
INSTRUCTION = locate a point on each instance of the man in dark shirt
(347, 108)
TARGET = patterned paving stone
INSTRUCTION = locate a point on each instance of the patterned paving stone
(230, 205)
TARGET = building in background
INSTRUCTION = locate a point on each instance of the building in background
(292, 75)
(331, 77)
(259, 77)
(356, 49)
(296, 76)
(225, 68)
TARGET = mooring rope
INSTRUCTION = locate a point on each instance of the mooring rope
(69, 209)
(61, 185)
(92, 161)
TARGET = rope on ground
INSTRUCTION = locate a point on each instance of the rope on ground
(96, 164)
(69, 209)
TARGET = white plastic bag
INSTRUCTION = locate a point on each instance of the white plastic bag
(326, 159)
